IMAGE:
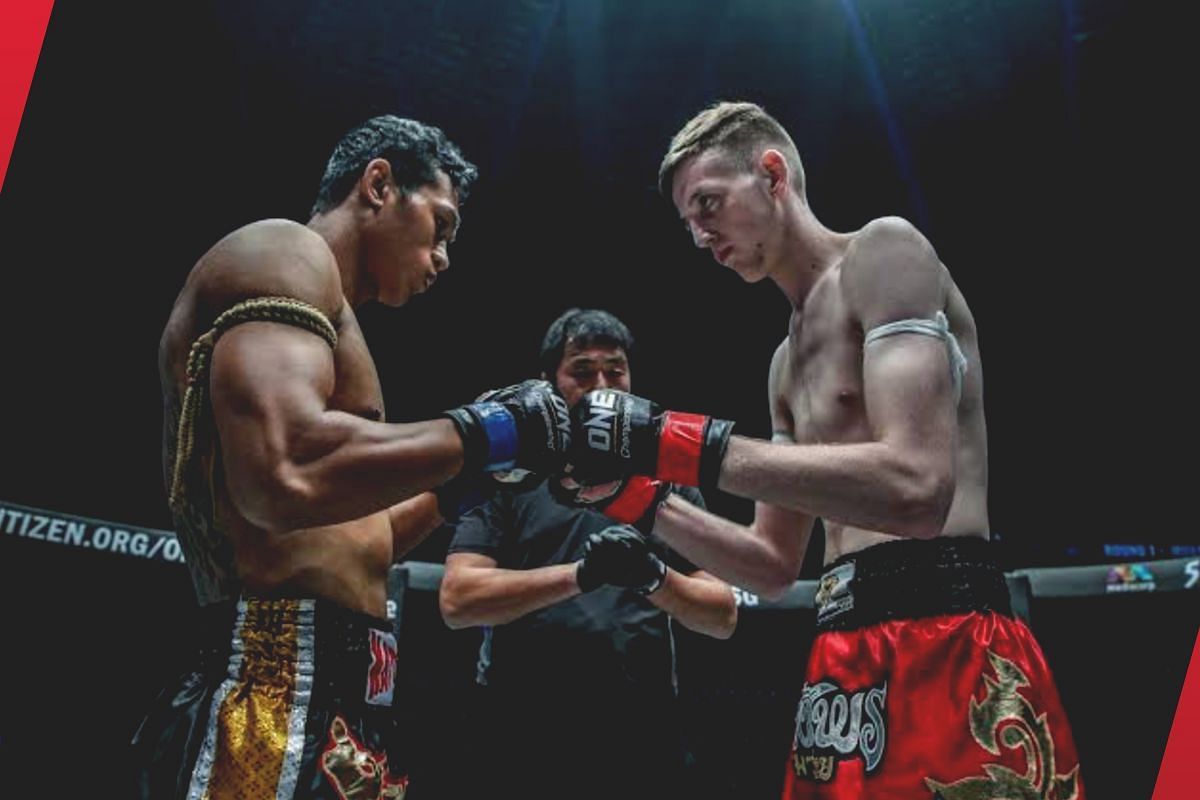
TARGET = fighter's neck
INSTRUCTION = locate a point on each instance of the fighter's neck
(343, 238)
(807, 252)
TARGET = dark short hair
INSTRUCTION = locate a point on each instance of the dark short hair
(583, 327)
(416, 152)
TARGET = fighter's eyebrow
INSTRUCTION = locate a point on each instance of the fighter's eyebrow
(694, 197)
(455, 220)
(691, 201)
(607, 361)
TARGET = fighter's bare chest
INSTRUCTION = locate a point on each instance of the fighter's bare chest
(356, 388)
(822, 380)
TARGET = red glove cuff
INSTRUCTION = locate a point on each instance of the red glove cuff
(636, 497)
(679, 445)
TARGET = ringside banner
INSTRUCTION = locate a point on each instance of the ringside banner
(90, 534)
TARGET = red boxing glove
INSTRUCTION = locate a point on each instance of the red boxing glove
(631, 500)
(614, 433)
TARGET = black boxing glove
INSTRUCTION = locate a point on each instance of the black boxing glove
(615, 433)
(521, 427)
(619, 556)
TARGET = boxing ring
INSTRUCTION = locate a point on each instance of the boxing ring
(1025, 585)
(69, 530)
(1102, 626)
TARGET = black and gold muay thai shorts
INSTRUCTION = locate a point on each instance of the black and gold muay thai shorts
(289, 699)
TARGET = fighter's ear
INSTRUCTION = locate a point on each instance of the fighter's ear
(775, 166)
(376, 184)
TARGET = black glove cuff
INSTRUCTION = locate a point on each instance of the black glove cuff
(584, 577)
(712, 452)
(474, 439)
(659, 579)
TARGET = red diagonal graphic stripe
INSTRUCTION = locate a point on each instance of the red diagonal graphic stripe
(389, 666)
(383, 660)
(376, 665)
(1179, 774)
(22, 28)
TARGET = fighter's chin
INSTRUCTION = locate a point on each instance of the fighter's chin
(754, 271)
(395, 299)
(749, 274)
(730, 260)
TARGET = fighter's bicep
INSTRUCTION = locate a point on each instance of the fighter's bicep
(269, 383)
(909, 392)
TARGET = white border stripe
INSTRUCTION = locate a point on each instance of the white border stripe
(202, 771)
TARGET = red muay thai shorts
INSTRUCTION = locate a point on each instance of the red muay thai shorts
(922, 684)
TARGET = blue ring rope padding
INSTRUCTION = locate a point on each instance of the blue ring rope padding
(501, 430)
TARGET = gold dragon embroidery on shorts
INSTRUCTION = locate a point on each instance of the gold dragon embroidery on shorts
(355, 771)
(1005, 717)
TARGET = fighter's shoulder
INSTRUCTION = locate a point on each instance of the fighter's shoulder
(889, 255)
(272, 258)
(278, 230)
(890, 238)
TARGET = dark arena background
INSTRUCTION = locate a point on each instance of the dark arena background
(1034, 142)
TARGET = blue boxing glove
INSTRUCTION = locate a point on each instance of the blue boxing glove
(526, 426)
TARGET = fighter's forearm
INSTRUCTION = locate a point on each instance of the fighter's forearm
(494, 596)
(412, 521)
(736, 553)
(343, 467)
(868, 485)
(703, 605)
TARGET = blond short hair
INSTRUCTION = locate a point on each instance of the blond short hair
(743, 130)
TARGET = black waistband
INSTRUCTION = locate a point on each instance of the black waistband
(338, 647)
(911, 578)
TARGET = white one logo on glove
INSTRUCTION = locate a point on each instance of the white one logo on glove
(602, 410)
